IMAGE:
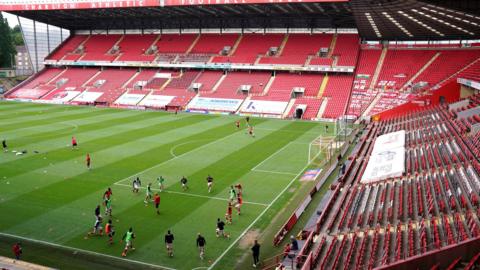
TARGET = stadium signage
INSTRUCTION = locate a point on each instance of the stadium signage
(215, 104)
(264, 107)
(130, 99)
(82, 4)
(228, 2)
(206, 66)
(93, 4)
(470, 83)
(156, 101)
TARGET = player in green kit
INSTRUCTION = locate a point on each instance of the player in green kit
(108, 207)
(160, 181)
(148, 196)
(233, 194)
(128, 237)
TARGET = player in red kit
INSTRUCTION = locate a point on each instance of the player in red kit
(109, 231)
(239, 189)
(228, 214)
(250, 131)
(239, 203)
(106, 196)
(88, 160)
(74, 143)
(156, 200)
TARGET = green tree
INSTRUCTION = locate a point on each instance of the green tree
(17, 36)
(7, 50)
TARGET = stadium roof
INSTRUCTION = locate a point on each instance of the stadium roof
(374, 19)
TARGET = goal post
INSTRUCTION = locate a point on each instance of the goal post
(320, 150)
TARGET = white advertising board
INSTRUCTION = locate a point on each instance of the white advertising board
(215, 104)
(129, 99)
(156, 101)
(88, 96)
(29, 93)
(64, 96)
(264, 107)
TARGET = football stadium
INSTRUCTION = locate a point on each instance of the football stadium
(241, 134)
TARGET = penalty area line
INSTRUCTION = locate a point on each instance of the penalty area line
(194, 195)
(258, 218)
(85, 251)
(274, 172)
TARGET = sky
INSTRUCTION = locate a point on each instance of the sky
(12, 19)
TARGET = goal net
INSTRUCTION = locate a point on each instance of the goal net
(320, 150)
(343, 126)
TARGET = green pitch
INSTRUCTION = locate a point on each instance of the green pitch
(51, 196)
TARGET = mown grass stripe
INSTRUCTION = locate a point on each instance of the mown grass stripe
(197, 154)
(53, 127)
(227, 172)
(18, 115)
(57, 117)
(43, 160)
(40, 133)
(81, 182)
(7, 105)
(132, 212)
(46, 146)
(9, 117)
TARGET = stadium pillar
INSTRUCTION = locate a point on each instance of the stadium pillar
(35, 44)
(48, 38)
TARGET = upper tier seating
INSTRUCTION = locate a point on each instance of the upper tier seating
(175, 43)
(471, 73)
(447, 64)
(401, 65)
(97, 48)
(245, 49)
(298, 47)
(135, 47)
(250, 47)
(346, 49)
(68, 47)
(213, 43)
(320, 61)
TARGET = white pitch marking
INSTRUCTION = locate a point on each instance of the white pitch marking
(172, 153)
(169, 160)
(269, 157)
(194, 195)
(276, 152)
(86, 251)
(258, 218)
(274, 172)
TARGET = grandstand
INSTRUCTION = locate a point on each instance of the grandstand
(399, 190)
